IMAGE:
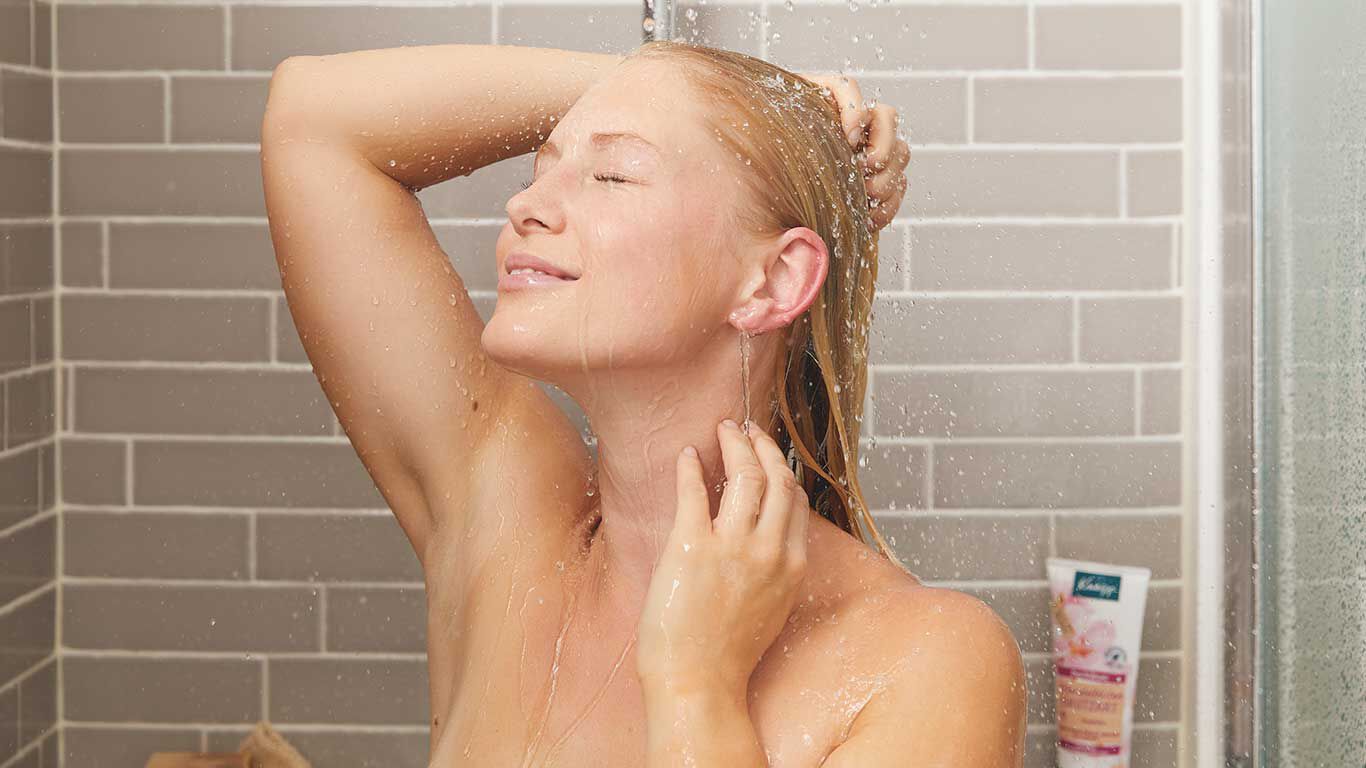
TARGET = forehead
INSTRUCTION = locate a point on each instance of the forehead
(639, 106)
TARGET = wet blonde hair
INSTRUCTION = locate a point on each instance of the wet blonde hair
(795, 161)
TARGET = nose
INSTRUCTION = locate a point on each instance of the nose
(530, 210)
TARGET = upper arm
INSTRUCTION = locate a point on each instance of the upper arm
(957, 699)
(386, 321)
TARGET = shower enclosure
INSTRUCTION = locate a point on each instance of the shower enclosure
(1122, 317)
(1312, 355)
(1291, 149)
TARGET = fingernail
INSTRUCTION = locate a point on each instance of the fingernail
(731, 423)
(690, 451)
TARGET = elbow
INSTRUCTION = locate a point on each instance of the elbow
(291, 83)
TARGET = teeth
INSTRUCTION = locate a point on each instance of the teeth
(524, 270)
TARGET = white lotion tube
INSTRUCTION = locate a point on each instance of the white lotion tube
(1097, 613)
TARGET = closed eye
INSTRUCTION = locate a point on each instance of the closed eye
(600, 177)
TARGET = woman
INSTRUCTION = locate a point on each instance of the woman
(644, 606)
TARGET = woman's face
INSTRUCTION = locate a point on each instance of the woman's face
(644, 224)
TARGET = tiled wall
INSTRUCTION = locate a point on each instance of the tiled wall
(28, 441)
(227, 559)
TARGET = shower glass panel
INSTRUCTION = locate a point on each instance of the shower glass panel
(1312, 448)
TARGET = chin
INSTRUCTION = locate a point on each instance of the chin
(525, 347)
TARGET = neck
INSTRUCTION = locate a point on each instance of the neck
(642, 420)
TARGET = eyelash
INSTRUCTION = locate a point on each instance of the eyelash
(600, 177)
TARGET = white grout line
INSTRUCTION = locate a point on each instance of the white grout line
(252, 147)
(265, 687)
(105, 237)
(966, 220)
(166, 108)
(251, 545)
(322, 618)
(1076, 329)
(263, 585)
(65, 398)
(1139, 378)
(162, 655)
(1124, 160)
(227, 38)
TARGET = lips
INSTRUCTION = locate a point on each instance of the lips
(523, 260)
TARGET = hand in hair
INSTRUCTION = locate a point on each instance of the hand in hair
(724, 588)
(872, 130)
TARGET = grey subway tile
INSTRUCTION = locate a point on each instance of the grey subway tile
(966, 183)
(265, 35)
(1106, 36)
(176, 617)
(1153, 179)
(108, 109)
(377, 619)
(971, 330)
(1148, 540)
(140, 37)
(172, 401)
(948, 547)
(349, 690)
(244, 473)
(1051, 475)
(1004, 403)
(82, 254)
(165, 328)
(810, 37)
(1040, 257)
(127, 688)
(1137, 329)
(334, 547)
(94, 471)
(155, 545)
(160, 181)
(209, 108)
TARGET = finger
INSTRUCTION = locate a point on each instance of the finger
(694, 504)
(886, 190)
(797, 528)
(776, 509)
(885, 184)
(892, 165)
(849, 98)
(882, 212)
(886, 209)
(745, 481)
(854, 116)
(882, 140)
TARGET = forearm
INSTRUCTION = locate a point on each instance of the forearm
(708, 727)
(435, 111)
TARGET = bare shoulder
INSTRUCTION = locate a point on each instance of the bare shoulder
(954, 689)
(949, 683)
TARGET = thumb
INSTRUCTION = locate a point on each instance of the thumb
(694, 504)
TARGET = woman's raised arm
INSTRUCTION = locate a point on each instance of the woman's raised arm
(386, 321)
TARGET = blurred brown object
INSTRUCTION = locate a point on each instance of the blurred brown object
(199, 760)
(264, 747)
(268, 749)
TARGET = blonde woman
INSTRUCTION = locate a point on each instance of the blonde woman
(684, 597)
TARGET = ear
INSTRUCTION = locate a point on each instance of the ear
(795, 266)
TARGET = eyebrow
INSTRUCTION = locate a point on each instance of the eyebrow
(601, 139)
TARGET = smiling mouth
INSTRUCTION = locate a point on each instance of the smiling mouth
(529, 271)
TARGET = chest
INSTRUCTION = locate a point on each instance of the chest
(534, 680)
